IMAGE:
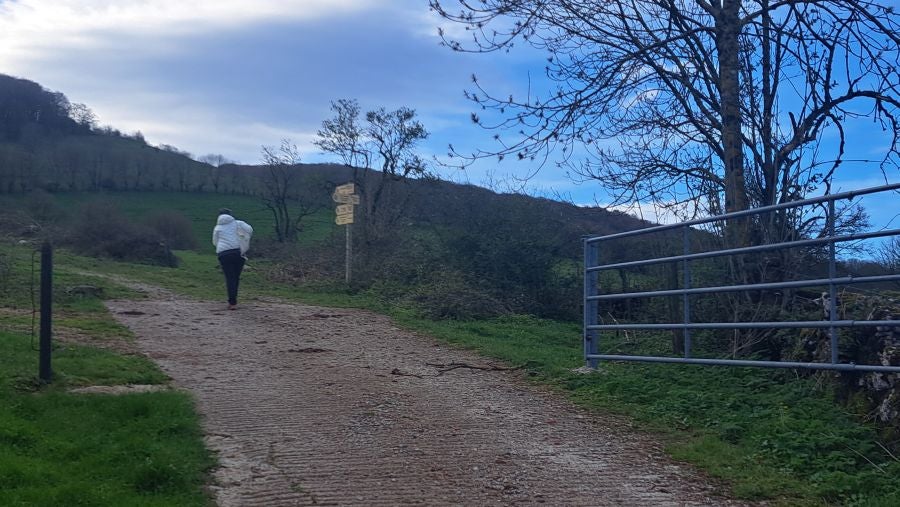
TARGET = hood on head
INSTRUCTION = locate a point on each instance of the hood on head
(224, 219)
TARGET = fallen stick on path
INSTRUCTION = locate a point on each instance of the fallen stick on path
(444, 368)
(396, 371)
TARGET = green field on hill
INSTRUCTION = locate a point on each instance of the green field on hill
(200, 208)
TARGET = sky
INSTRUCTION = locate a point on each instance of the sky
(230, 76)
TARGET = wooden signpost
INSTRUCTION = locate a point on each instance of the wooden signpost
(346, 198)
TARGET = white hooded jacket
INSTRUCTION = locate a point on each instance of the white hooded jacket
(230, 234)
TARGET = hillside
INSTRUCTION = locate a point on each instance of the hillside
(48, 143)
(432, 202)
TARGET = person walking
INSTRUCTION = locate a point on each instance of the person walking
(231, 238)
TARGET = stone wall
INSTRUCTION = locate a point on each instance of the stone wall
(864, 345)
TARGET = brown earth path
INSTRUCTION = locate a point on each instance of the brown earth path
(315, 406)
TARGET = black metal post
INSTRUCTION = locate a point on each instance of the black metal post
(45, 370)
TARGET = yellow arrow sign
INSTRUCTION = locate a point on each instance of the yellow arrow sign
(343, 219)
(345, 189)
(345, 198)
(344, 209)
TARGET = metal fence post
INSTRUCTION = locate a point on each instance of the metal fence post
(686, 300)
(45, 372)
(590, 306)
(832, 274)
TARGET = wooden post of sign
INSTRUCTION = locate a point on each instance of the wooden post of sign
(346, 198)
(347, 254)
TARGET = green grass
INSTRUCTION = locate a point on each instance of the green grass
(60, 448)
(20, 287)
(200, 208)
(198, 276)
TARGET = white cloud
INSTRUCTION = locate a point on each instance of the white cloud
(228, 76)
(30, 28)
(646, 211)
(120, 56)
(668, 212)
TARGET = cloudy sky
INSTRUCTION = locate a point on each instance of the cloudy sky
(229, 76)
(225, 76)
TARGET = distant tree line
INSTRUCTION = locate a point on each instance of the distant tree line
(49, 143)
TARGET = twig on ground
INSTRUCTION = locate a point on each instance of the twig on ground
(444, 368)
(887, 451)
(396, 371)
(867, 459)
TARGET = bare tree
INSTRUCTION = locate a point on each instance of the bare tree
(281, 192)
(215, 161)
(344, 136)
(387, 141)
(393, 137)
(691, 103)
(888, 255)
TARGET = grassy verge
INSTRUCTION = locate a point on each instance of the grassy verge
(60, 448)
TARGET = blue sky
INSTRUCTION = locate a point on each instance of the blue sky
(229, 76)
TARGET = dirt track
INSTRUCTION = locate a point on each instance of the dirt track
(317, 406)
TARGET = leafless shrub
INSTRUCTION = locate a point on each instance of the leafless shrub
(452, 295)
(888, 255)
(174, 228)
(101, 230)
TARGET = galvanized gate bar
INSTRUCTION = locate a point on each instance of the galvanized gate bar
(592, 297)
(832, 289)
(755, 211)
(847, 280)
(739, 362)
(749, 249)
(822, 324)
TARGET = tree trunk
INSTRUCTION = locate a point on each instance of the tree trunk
(727, 34)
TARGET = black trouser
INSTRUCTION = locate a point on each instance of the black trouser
(232, 264)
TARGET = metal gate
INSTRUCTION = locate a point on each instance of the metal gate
(828, 239)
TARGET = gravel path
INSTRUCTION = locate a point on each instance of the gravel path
(317, 406)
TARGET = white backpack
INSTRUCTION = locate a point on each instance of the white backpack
(243, 237)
